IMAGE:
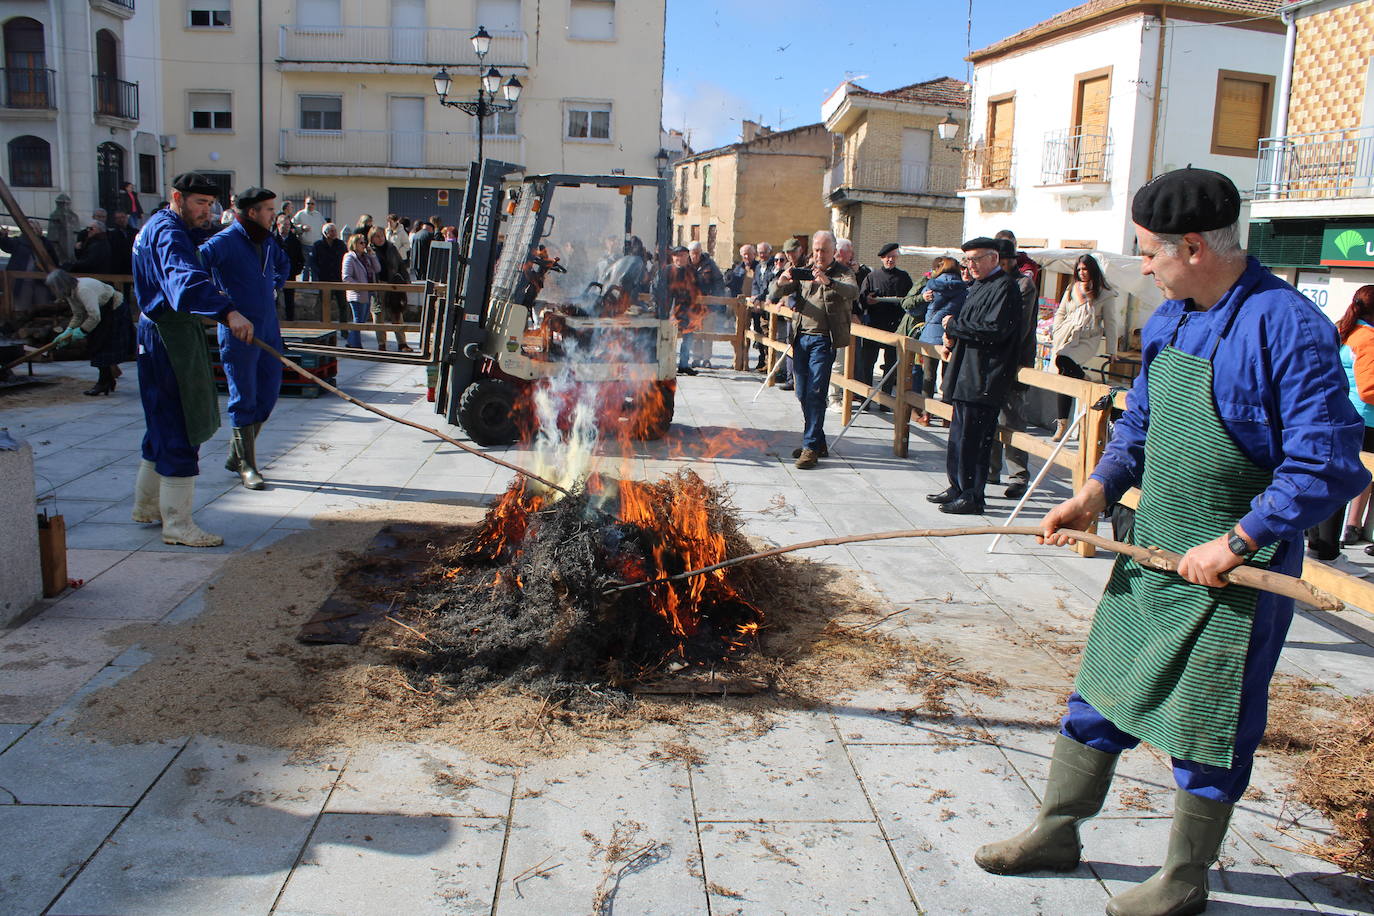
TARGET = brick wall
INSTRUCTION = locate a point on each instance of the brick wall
(1330, 67)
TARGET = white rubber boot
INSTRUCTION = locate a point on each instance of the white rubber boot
(177, 496)
(146, 489)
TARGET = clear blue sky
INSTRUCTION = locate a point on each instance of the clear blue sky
(730, 61)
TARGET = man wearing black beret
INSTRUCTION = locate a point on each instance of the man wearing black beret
(250, 265)
(888, 282)
(1240, 434)
(981, 344)
(180, 405)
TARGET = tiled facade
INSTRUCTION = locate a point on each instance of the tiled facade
(1330, 68)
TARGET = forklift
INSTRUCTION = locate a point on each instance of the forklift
(549, 286)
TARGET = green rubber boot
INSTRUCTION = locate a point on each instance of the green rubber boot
(1079, 779)
(245, 439)
(1180, 887)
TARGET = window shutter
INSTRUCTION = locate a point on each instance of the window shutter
(1241, 109)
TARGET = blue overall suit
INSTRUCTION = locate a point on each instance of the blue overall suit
(168, 275)
(251, 274)
(1281, 394)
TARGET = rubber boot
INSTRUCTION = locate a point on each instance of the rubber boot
(1180, 887)
(146, 489)
(244, 454)
(176, 497)
(1079, 779)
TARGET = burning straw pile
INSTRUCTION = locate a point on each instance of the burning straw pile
(523, 601)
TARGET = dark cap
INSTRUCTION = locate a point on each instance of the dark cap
(887, 249)
(1006, 248)
(194, 183)
(981, 242)
(1186, 200)
(250, 198)
(792, 244)
(678, 249)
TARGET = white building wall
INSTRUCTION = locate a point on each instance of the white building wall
(143, 53)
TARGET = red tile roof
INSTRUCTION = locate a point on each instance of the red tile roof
(945, 90)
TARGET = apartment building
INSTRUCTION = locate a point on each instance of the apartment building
(336, 98)
(78, 102)
(1074, 114)
(765, 188)
(1312, 220)
(893, 179)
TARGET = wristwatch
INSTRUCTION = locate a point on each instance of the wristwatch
(1239, 546)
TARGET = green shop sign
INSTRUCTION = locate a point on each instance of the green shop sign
(1348, 246)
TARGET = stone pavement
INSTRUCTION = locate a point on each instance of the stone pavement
(854, 808)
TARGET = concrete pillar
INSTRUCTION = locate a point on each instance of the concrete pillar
(21, 579)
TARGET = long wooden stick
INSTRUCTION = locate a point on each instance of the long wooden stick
(311, 377)
(1155, 558)
(31, 356)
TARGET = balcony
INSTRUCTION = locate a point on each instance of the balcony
(891, 181)
(124, 9)
(115, 99)
(28, 92)
(388, 153)
(382, 49)
(1077, 165)
(988, 174)
(1324, 173)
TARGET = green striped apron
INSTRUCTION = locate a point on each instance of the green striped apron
(1165, 657)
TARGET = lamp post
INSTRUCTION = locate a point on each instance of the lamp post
(485, 104)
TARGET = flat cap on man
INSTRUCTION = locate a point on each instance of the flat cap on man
(888, 249)
(792, 244)
(1186, 200)
(678, 249)
(250, 198)
(981, 242)
(194, 183)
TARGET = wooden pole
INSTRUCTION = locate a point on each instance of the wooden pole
(1150, 557)
(30, 356)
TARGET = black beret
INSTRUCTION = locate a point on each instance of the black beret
(250, 198)
(1006, 248)
(1186, 200)
(887, 249)
(195, 183)
(981, 242)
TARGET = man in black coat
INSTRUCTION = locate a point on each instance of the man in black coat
(419, 250)
(1013, 415)
(285, 234)
(983, 347)
(887, 282)
(329, 253)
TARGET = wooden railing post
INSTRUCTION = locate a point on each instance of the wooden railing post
(773, 355)
(1092, 442)
(847, 396)
(9, 310)
(741, 327)
(901, 411)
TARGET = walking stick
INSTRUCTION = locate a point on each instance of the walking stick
(860, 409)
(1049, 463)
(776, 366)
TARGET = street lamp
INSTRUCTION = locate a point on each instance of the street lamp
(948, 129)
(485, 104)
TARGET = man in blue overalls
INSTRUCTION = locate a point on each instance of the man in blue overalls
(250, 265)
(1240, 434)
(180, 405)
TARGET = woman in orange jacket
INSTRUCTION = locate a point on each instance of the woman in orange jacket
(1356, 328)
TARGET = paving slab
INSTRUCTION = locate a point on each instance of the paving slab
(797, 771)
(11, 733)
(112, 535)
(801, 869)
(938, 808)
(618, 826)
(41, 847)
(386, 864)
(144, 586)
(422, 779)
(225, 823)
(44, 661)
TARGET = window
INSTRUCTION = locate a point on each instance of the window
(321, 112)
(1241, 116)
(30, 162)
(147, 174)
(996, 163)
(592, 20)
(500, 124)
(696, 234)
(499, 15)
(911, 230)
(319, 14)
(711, 240)
(589, 121)
(198, 17)
(211, 110)
(706, 186)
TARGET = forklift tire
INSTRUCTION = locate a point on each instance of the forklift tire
(486, 411)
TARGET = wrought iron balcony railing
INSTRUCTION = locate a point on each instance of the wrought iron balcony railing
(115, 98)
(892, 176)
(988, 167)
(24, 87)
(378, 149)
(1327, 164)
(1073, 157)
(357, 44)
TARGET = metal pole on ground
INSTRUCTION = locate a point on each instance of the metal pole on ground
(857, 413)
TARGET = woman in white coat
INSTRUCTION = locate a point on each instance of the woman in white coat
(1079, 328)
